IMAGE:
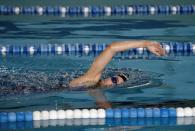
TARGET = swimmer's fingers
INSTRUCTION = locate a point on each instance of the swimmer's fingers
(156, 49)
(153, 50)
(156, 52)
(159, 50)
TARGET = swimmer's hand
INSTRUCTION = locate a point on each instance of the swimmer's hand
(155, 48)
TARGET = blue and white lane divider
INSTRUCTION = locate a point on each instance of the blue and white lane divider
(98, 10)
(172, 48)
(97, 113)
(99, 117)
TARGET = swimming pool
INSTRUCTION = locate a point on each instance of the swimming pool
(173, 83)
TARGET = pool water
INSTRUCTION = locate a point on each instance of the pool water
(173, 83)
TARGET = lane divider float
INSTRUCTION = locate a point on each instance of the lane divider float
(97, 113)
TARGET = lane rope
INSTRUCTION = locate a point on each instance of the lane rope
(98, 113)
(80, 49)
(98, 10)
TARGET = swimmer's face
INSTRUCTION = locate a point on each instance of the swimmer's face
(114, 80)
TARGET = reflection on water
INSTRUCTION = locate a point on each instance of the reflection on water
(109, 123)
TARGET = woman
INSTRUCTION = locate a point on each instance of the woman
(26, 82)
(93, 75)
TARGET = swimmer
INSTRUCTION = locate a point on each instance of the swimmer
(93, 75)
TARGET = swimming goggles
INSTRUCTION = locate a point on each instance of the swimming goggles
(114, 79)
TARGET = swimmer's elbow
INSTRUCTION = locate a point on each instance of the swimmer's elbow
(112, 48)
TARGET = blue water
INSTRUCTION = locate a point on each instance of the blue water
(173, 83)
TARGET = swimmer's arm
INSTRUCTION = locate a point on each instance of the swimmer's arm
(95, 71)
(106, 56)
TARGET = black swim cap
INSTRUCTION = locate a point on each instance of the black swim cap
(124, 77)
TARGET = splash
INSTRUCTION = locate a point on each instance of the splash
(24, 82)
